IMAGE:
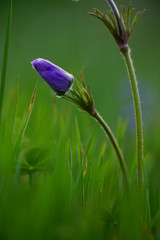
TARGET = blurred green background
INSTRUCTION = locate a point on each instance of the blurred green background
(63, 32)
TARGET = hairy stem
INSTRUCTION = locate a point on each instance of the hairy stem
(117, 149)
(138, 115)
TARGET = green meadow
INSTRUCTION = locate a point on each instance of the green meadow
(59, 175)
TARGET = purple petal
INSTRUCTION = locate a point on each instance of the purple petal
(58, 79)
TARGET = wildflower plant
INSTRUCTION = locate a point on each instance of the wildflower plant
(118, 22)
(74, 189)
(120, 25)
(61, 83)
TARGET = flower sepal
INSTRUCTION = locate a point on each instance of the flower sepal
(118, 22)
(81, 95)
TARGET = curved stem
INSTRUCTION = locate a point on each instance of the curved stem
(117, 149)
(117, 15)
(138, 114)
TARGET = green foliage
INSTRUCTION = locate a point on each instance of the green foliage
(58, 182)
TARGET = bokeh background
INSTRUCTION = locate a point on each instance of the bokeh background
(63, 32)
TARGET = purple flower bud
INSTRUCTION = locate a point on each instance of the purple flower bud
(58, 79)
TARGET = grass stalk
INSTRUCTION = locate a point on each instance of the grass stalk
(5, 60)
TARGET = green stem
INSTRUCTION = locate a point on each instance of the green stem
(113, 140)
(138, 116)
(5, 60)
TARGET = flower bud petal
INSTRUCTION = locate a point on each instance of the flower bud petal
(58, 79)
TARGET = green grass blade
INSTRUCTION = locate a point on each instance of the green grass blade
(70, 165)
(102, 153)
(92, 138)
(15, 112)
(78, 144)
(17, 145)
(29, 109)
(80, 158)
(122, 126)
(5, 59)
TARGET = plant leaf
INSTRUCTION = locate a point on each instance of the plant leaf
(136, 18)
(5, 58)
